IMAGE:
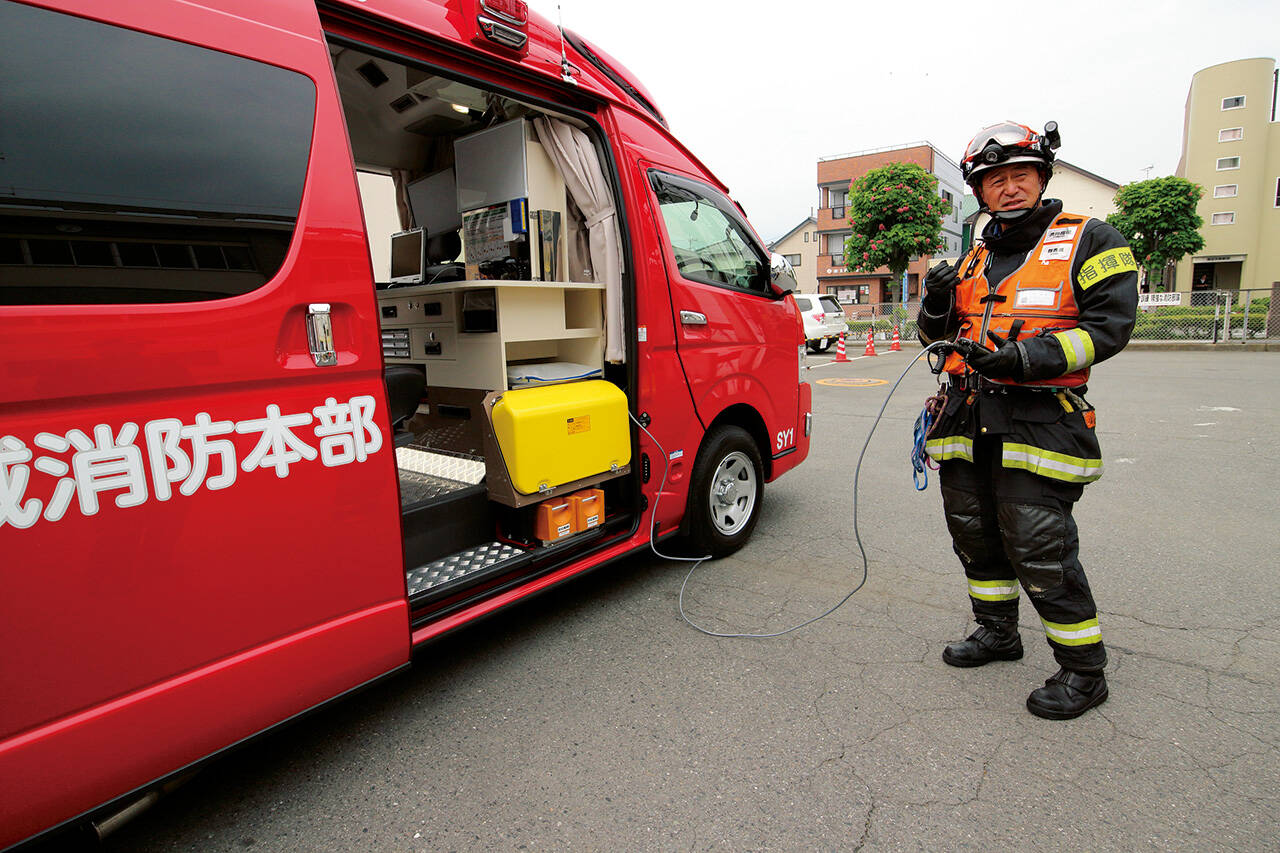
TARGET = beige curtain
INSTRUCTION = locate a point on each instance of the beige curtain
(575, 157)
(401, 178)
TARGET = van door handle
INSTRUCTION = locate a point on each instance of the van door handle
(320, 335)
(692, 318)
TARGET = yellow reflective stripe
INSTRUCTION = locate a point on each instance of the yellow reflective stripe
(1046, 463)
(1074, 633)
(1077, 346)
(950, 447)
(993, 590)
(1104, 265)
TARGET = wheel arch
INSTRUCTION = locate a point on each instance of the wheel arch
(749, 419)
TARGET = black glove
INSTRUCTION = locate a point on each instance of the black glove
(939, 284)
(1004, 363)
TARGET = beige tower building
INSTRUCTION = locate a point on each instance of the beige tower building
(1231, 147)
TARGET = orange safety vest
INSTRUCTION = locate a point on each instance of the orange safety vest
(1039, 294)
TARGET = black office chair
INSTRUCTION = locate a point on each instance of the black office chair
(405, 385)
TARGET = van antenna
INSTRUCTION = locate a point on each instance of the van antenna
(566, 70)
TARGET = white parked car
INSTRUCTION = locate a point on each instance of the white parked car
(823, 319)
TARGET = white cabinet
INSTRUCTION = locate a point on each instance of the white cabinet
(536, 321)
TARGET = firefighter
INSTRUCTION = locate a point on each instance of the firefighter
(1040, 299)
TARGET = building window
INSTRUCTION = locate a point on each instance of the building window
(1224, 218)
(1225, 163)
(1230, 134)
(1226, 191)
(1233, 103)
(806, 236)
(836, 200)
(794, 260)
(1277, 192)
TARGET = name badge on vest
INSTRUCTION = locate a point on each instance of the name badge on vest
(1055, 252)
(1035, 298)
(1057, 235)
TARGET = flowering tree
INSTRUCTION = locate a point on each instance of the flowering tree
(896, 214)
(1158, 217)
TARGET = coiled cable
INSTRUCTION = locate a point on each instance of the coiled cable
(698, 561)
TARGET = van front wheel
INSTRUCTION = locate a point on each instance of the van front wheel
(726, 492)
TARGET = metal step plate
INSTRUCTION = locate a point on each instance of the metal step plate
(416, 488)
(440, 463)
(426, 474)
(459, 565)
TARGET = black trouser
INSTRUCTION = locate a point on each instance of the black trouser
(1007, 524)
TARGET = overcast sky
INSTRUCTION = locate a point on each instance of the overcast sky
(759, 92)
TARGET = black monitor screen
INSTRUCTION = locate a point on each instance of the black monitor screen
(406, 255)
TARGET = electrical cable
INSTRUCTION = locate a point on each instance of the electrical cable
(698, 561)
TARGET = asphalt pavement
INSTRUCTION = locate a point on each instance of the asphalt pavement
(594, 718)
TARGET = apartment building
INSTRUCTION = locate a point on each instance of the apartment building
(834, 176)
(800, 247)
(1231, 147)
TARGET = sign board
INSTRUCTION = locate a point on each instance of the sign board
(1148, 300)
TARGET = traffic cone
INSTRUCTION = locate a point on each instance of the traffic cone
(896, 345)
(871, 344)
(840, 356)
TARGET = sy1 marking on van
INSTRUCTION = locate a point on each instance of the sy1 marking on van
(785, 438)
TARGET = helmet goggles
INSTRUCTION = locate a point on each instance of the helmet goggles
(1005, 135)
(1008, 142)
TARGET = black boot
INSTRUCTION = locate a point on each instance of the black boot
(1067, 695)
(983, 646)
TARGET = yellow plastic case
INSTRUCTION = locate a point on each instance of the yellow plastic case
(555, 434)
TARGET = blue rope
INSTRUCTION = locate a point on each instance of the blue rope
(924, 425)
(919, 473)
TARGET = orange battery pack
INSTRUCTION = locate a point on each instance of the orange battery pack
(588, 509)
(555, 520)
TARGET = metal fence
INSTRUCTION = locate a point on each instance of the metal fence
(1208, 315)
(1212, 316)
(881, 318)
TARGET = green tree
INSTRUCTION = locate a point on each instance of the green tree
(1159, 219)
(895, 214)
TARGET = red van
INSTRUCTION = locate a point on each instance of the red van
(328, 329)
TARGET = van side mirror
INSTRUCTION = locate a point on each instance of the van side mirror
(782, 278)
